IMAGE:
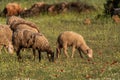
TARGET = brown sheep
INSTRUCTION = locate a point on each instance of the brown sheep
(13, 21)
(37, 41)
(80, 7)
(58, 8)
(12, 9)
(36, 9)
(69, 38)
(19, 26)
(6, 38)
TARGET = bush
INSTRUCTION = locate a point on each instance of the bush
(111, 6)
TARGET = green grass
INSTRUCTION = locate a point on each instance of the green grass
(103, 36)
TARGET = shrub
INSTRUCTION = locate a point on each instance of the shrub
(111, 6)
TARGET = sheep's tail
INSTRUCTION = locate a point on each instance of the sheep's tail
(58, 42)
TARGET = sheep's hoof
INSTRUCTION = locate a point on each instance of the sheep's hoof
(67, 57)
(72, 57)
(20, 60)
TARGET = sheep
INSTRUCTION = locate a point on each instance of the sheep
(6, 38)
(70, 38)
(80, 7)
(19, 26)
(28, 39)
(14, 21)
(58, 8)
(12, 9)
(36, 9)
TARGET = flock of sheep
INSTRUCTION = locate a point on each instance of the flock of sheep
(42, 7)
(19, 33)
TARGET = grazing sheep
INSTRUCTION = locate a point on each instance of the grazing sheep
(28, 39)
(80, 7)
(41, 7)
(14, 21)
(69, 38)
(36, 9)
(12, 9)
(6, 38)
(17, 23)
(58, 8)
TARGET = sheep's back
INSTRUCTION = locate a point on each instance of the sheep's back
(12, 19)
(70, 38)
(6, 32)
(15, 21)
(23, 26)
(41, 41)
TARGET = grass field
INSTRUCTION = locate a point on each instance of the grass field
(103, 36)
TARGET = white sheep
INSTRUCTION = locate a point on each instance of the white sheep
(69, 38)
(6, 38)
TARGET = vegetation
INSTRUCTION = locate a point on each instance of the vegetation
(110, 5)
(103, 36)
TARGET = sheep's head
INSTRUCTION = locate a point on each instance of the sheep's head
(90, 53)
(51, 56)
(10, 48)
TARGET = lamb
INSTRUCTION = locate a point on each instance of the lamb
(6, 38)
(70, 38)
(12, 9)
(28, 39)
(14, 21)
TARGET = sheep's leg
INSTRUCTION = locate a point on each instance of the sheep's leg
(48, 55)
(0, 49)
(58, 51)
(65, 50)
(80, 53)
(39, 55)
(18, 54)
(73, 51)
(34, 54)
